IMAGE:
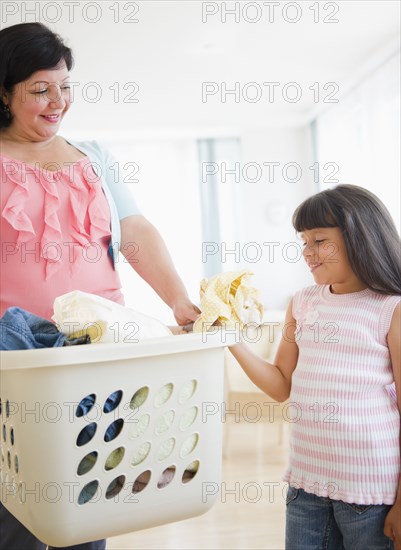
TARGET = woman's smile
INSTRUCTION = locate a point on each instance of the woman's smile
(52, 118)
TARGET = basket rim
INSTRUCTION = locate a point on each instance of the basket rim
(89, 353)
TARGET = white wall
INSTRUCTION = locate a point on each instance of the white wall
(167, 192)
(361, 134)
(268, 208)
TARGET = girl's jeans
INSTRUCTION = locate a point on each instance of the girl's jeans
(14, 536)
(320, 523)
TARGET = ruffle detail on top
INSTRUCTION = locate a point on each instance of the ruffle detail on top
(84, 188)
(51, 236)
(13, 211)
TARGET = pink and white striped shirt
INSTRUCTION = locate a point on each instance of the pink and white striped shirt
(345, 433)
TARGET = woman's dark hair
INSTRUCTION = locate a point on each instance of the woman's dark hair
(371, 238)
(25, 49)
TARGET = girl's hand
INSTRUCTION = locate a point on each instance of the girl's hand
(185, 312)
(392, 525)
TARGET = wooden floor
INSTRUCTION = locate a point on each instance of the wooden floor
(250, 512)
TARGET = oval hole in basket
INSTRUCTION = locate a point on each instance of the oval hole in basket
(163, 395)
(141, 481)
(9, 459)
(164, 422)
(114, 430)
(187, 391)
(1, 407)
(141, 453)
(115, 487)
(189, 445)
(165, 449)
(85, 405)
(12, 436)
(166, 477)
(7, 408)
(87, 463)
(188, 418)
(190, 471)
(86, 434)
(16, 464)
(139, 427)
(2, 455)
(4, 432)
(139, 398)
(112, 401)
(114, 458)
(88, 492)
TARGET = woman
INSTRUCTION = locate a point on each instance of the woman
(63, 217)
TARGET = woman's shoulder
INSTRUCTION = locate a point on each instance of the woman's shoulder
(89, 147)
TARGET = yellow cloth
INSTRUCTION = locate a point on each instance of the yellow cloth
(230, 300)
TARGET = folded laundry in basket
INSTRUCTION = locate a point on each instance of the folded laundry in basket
(77, 313)
(20, 329)
(228, 299)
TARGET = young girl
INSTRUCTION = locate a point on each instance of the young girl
(339, 363)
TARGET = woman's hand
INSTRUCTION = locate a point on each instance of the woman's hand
(392, 525)
(185, 311)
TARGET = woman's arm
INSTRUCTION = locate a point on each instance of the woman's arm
(392, 525)
(145, 250)
(273, 379)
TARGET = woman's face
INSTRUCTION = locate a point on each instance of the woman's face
(39, 103)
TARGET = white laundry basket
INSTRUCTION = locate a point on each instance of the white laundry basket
(66, 492)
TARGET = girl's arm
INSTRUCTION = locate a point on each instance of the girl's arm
(273, 379)
(392, 525)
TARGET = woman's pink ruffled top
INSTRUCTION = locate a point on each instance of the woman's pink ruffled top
(55, 233)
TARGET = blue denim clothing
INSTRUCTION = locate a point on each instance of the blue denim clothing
(320, 523)
(88, 432)
(20, 329)
(87, 403)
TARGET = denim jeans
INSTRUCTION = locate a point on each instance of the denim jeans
(14, 536)
(320, 523)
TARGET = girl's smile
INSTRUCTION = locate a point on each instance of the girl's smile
(326, 255)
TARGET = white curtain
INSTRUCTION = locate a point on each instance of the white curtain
(358, 139)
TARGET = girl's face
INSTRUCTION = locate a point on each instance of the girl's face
(326, 255)
(39, 103)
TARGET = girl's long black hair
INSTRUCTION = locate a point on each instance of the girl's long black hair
(371, 238)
